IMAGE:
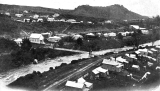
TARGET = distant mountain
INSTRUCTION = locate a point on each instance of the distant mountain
(109, 12)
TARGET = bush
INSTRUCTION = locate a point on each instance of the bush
(7, 45)
(51, 69)
(63, 64)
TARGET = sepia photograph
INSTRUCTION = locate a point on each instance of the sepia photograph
(79, 45)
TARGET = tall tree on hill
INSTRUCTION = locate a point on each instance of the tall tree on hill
(80, 41)
(155, 35)
(120, 36)
(157, 20)
(26, 45)
(136, 39)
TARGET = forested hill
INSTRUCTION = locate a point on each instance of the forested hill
(109, 12)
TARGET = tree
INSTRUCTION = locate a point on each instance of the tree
(26, 45)
(80, 41)
(139, 32)
(120, 36)
(136, 38)
(157, 20)
(155, 35)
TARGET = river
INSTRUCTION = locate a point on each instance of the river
(10, 76)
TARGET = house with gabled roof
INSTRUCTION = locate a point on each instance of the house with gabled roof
(112, 65)
(36, 38)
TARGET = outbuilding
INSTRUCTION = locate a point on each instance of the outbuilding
(54, 39)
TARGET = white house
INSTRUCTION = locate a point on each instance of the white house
(18, 15)
(112, 65)
(18, 41)
(71, 20)
(87, 85)
(55, 15)
(50, 19)
(40, 20)
(136, 67)
(76, 36)
(89, 22)
(27, 20)
(131, 56)
(90, 34)
(105, 34)
(73, 84)
(7, 13)
(142, 51)
(62, 20)
(35, 16)
(100, 70)
(36, 38)
(154, 50)
(112, 34)
(54, 39)
(25, 11)
(125, 33)
(122, 60)
(135, 26)
(108, 21)
(145, 31)
(111, 62)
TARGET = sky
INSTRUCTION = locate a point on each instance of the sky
(143, 7)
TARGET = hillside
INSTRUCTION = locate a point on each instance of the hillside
(13, 29)
(109, 12)
(18, 9)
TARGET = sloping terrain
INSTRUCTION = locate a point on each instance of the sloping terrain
(109, 12)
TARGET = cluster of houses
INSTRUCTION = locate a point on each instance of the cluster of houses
(26, 17)
(121, 64)
(39, 38)
(143, 30)
(35, 17)
(5, 13)
(109, 34)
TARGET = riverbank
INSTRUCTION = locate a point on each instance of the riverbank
(12, 75)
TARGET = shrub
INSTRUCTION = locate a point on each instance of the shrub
(51, 69)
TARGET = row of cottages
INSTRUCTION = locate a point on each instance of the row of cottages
(143, 30)
(80, 85)
(112, 34)
(36, 16)
(39, 19)
(126, 33)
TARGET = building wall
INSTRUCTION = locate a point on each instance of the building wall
(35, 40)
